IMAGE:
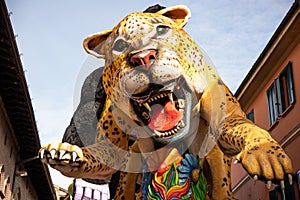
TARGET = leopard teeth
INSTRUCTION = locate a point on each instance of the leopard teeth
(171, 97)
(158, 96)
(180, 103)
(147, 106)
(181, 125)
(159, 135)
(171, 132)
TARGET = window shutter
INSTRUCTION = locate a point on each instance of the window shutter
(279, 102)
(290, 83)
(272, 104)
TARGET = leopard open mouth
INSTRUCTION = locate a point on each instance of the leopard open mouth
(164, 109)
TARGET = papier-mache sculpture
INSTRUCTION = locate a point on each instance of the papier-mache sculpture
(164, 94)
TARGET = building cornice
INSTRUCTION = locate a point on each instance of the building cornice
(285, 38)
(17, 103)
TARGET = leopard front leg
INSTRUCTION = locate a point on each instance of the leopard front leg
(97, 161)
(73, 161)
(261, 156)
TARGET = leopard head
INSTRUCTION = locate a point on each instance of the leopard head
(153, 71)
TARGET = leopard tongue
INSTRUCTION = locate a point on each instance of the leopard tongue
(164, 118)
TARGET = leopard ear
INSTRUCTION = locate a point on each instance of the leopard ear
(180, 14)
(94, 44)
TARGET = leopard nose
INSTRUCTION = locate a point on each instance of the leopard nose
(144, 59)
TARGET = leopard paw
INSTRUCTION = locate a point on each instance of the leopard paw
(264, 159)
(64, 157)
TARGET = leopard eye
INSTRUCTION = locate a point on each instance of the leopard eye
(120, 45)
(162, 30)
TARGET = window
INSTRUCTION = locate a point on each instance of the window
(250, 115)
(273, 114)
(280, 94)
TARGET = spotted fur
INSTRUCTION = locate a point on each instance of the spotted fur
(173, 55)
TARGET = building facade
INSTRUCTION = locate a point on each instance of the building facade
(22, 174)
(270, 96)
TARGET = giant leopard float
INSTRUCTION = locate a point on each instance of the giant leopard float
(162, 92)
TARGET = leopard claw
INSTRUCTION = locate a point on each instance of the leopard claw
(74, 156)
(290, 177)
(52, 153)
(282, 185)
(269, 184)
(236, 161)
(42, 153)
(66, 157)
(61, 154)
(255, 177)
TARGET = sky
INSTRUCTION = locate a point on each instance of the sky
(49, 35)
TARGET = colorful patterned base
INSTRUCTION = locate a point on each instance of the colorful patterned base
(182, 179)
